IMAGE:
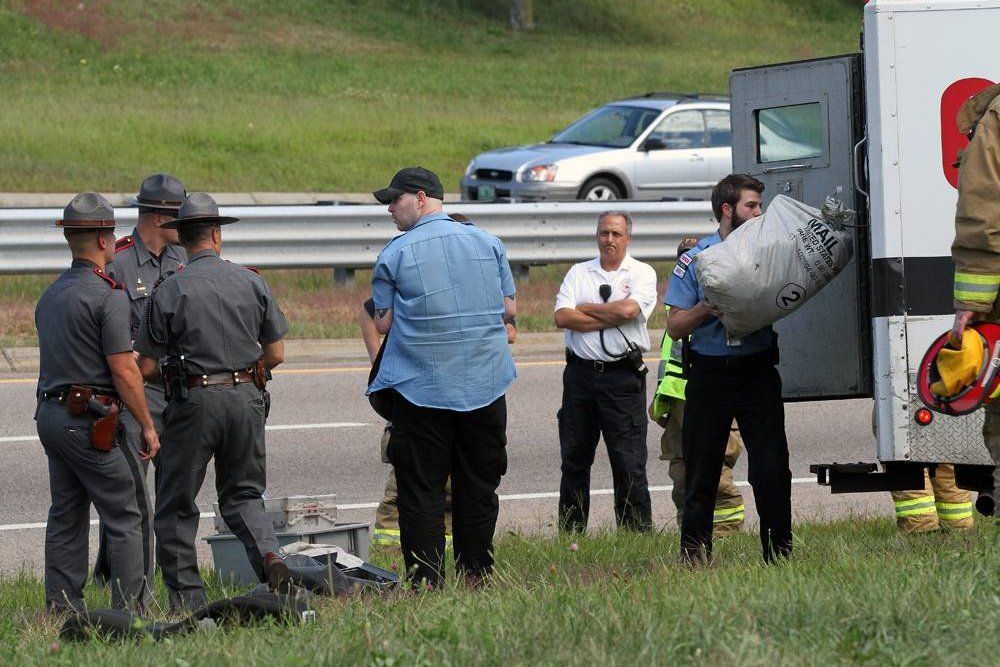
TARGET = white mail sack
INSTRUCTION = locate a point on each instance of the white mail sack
(769, 266)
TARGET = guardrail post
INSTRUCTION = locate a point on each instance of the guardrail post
(520, 271)
(343, 276)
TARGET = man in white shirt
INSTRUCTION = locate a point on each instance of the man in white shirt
(603, 305)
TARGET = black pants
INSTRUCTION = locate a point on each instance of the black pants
(612, 403)
(427, 446)
(751, 394)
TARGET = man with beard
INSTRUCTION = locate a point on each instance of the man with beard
(729, 379)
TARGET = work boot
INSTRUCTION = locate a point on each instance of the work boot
(186, 601)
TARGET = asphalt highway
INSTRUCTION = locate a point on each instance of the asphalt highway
(323, 438)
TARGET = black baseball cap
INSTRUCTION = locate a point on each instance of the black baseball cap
(412, 180)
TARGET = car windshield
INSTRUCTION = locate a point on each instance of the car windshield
(610, 126)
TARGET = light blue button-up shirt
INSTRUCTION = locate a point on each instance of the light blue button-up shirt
(710, 337)
(446, 284)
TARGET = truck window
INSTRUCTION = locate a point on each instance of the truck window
(790, 132)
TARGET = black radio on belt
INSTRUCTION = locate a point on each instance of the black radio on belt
(634, 356)
(632, 352)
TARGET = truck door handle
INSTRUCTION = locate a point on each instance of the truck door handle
(697, 158)
(856, 167)
(786, 167)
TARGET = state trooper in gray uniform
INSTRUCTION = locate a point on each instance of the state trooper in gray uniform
(141, 259)
(217, 329)
(86, 370)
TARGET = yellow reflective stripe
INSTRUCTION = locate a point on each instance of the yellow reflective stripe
(978, 278)
(976, 287)
(954, 506)
(975, 297)
(953, 511)
(914, 501)
(386, 537)
(389, 536)
(921, 505)
(727, 514)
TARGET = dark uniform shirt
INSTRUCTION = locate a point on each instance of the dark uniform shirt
(80, 318)
(138, 270)
(217, 314)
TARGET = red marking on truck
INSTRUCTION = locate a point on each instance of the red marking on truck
(952, 141)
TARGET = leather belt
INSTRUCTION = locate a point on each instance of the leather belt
(597, 364)
(62, 394)
(212, 379)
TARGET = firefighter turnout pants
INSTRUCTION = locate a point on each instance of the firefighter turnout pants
(939, 504)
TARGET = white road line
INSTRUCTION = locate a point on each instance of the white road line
(297, 427)
(275, 427)
(371, 506)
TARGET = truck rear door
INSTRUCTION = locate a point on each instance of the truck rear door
(798, 127)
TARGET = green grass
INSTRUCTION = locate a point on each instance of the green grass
(855, 593)
(335, 95)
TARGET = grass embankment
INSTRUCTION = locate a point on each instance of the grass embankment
(855, 593)
(314, 305)
(335, 95)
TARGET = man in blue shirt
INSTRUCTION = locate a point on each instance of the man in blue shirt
(447, 292)
(729, 379)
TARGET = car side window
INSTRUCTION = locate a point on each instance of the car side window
(683, 129)
(720, 135)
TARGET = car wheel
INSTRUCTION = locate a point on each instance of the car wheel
(600, 189)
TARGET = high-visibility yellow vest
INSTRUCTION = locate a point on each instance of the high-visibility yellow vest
(671, 375)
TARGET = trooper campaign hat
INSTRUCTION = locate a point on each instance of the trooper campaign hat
(161, 191)
(198, 208)
(88, 210)
(412, 180)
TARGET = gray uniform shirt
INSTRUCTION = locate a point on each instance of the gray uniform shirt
(80, 318)
(138, 270)
(217, 314)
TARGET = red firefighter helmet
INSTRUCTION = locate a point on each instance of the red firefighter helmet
(973, 395)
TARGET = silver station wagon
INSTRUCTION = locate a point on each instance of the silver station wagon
(656, 146)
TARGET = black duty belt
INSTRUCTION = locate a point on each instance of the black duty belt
(736, 362)
(212, 379)
(597, 364)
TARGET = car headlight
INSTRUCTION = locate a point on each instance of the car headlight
(543, 172)
(471, 168)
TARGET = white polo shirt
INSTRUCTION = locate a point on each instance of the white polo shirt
(582, 284)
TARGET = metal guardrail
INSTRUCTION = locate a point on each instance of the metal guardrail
(350, 237)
